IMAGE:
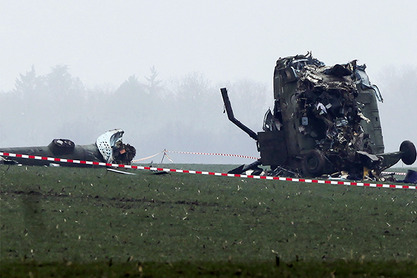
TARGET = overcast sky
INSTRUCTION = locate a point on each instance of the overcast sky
(104, 42)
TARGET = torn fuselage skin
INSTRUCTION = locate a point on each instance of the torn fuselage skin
(321, 113)
(325, 120)
(108, 148)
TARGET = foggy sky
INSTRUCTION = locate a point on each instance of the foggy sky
(105, 42)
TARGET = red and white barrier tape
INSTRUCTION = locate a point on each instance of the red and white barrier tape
(94, 163)
(229, 155)
(216, 154)
(165, 152)
(146, 158)
(395, 173)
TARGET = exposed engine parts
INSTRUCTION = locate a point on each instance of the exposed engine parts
(325, 121)
(108, 148)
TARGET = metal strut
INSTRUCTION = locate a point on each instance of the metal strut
(232, 118)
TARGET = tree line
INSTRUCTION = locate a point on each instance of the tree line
(185, 114)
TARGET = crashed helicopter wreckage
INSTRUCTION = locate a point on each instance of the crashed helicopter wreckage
(108, 148)
(325, 121)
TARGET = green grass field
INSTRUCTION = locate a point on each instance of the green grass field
(57, 220)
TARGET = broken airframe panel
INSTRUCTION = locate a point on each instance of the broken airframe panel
(112, 148)
(108, 148)
(324, 120)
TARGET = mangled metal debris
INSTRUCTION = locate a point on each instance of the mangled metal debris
(108, 148)
(411, 177)
(325, 121)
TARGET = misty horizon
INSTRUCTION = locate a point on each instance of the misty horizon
(178, 115)
(195, 47)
